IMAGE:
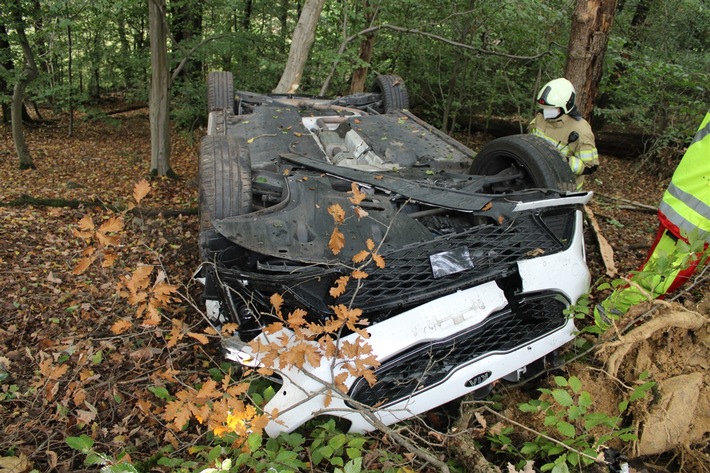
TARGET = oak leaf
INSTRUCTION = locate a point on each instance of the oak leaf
(276, 302)
(199, 337)
(379, 260)
(337, 212)
(337, 241)
(340, 285)
(360, 256)
(120, 326)
(140, 190)
(113, 225)
(83, 265)
(357, 195)
(358, 274)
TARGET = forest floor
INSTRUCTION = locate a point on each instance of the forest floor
(64, 372)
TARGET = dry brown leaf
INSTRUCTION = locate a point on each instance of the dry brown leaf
(337, 241)
(199, 337)
(337, 212)
(140, 190)
(120, 326)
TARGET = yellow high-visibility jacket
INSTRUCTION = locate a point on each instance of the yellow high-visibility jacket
(685, 207)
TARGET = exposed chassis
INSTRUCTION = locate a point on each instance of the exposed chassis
(480, 268)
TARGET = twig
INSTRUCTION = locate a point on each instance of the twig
(639, 205)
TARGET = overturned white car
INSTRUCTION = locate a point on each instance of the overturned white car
(477, 256)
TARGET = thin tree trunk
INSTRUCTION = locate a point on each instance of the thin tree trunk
(159, 91)
(589, 36)
(367, 45)
(29, 73)
(70, 83)
(303, 37)
(7, 66)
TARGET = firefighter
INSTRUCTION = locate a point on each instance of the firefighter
(684, 217)
(559, 122)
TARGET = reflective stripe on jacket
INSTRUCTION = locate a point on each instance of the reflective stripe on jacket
(581, 153)
(685, 207)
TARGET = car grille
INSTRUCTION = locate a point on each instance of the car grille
(491, 253)
(425, 365)
(408, 277)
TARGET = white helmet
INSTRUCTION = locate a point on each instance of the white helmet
(558, 93)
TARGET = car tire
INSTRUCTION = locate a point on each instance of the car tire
(541, 164)
(220, 91)
(393, 92)
(224, 178)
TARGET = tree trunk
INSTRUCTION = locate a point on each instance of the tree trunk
(159, 91)
(357, 83)
(69, 79)
(591, 24)
(7, 66)
(303, 37)
(29, 73)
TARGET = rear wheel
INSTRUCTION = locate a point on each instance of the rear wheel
(393, 92)
(529, 161)
(220, 91)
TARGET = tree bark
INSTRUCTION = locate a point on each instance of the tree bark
(7, 66)
(589, 36)
(159, 91)
(303, 37)
(367, 45)
(29, 73)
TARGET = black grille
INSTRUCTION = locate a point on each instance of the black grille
(427, 364)
(493, 250)
(408, 278)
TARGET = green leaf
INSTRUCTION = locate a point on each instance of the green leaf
(98, 357)
(353, 452)
(160, 392)
(121, 468)
(326, 451)
(551, 420)
(527, 407)
(560, 468)
(171, 462)
(562, 397)
(585, 400)
(93, 458)
(623, 405)
(357, 442)
(83, 443)
(254, 442)
(337, 442)
(214, 454)
(575, 384)
(566, 429)
(561, 381)
(529, 448)
(353, 466)
(337, 461)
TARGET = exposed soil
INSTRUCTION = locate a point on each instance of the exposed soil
(52, 318)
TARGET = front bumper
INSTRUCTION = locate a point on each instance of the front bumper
(440, 350)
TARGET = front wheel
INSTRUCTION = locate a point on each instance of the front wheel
(523, 162)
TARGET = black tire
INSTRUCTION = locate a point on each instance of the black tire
(220, 91)
(225, 179)
(542, 166)
(393, 92)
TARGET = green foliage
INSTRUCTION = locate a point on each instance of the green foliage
(320, 443)
(577, 430)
